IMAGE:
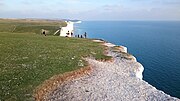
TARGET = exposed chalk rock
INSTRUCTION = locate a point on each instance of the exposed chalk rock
(109, 44)
(68, 29)
(98, 40)
(119, 80)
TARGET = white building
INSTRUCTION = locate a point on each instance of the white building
(68, 29)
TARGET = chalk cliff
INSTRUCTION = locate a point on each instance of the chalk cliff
(68, 29)
(117, 80)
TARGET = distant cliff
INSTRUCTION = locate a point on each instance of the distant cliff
(66, 31)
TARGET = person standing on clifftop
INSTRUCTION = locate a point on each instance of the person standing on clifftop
(81, 36)
(85, 35)
(67, 34)
(71, 34)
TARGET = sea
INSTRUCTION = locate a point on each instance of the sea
(155, 44)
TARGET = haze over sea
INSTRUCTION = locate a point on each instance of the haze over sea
(155, 44)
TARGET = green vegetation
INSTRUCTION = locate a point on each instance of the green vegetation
(28, 59)
(30, 26)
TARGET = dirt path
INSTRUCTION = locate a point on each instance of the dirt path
(119, 80)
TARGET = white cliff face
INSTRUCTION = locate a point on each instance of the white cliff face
(138, 70)
(124, 49)
(69, 27)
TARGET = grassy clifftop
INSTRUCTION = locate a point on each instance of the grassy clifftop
(27, 60)
(30, 25)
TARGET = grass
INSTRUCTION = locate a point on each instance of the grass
(28, 59)
(30, 26)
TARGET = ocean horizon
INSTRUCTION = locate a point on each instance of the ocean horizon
(155, 44)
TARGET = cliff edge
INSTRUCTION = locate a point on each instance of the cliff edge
(117, 80)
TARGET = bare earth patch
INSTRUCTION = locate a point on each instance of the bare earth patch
(57, 80)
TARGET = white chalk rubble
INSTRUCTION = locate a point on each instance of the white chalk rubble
(120, 80)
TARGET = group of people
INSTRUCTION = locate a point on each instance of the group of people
(69, 34)
(78, 36)
(82, 36)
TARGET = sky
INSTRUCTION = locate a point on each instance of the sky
(92, 9)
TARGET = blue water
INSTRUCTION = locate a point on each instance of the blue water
(155, 44)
